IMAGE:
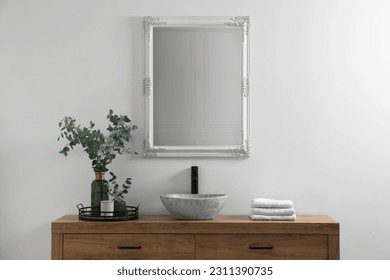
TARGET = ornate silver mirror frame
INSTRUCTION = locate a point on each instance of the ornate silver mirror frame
(152, 150)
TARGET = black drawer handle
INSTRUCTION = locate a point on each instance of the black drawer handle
(260, 247)
(129, 247)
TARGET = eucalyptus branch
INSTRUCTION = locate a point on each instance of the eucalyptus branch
(114, 189)
(101, 149)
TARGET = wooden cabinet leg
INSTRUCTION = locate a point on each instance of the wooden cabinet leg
(334, 246)
(56, 246)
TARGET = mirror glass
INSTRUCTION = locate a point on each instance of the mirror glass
(196, 86)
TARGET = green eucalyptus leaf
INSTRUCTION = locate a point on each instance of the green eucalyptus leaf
(100, 149)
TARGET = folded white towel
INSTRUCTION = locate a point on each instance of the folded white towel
(272, 218)
(271, 203)
(273, 211)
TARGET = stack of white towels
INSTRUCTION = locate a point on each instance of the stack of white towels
(272, 210)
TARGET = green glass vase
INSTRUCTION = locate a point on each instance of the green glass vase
(99, 191)
(120, 208)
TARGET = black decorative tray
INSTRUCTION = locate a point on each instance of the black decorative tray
(94, 214)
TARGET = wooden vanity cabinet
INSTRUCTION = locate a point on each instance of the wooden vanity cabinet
(225, 237)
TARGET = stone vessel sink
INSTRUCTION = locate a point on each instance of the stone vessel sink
(193, 206)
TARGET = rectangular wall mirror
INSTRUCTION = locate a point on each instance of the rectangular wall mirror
(196, 86)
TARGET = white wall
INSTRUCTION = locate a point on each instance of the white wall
(320, 119)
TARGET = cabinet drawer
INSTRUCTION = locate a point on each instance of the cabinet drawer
(254, 246)
(128, 246)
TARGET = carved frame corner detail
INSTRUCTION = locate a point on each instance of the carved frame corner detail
(149, 22)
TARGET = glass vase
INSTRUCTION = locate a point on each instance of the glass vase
(120, 208)
(99, 191)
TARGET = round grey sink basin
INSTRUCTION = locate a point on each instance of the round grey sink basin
(193, 206)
